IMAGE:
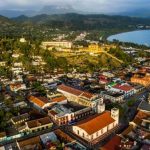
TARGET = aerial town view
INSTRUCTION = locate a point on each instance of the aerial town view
(75, 75)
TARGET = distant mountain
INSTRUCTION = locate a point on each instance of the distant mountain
(16, 13)
(56, 9)
(64, 9)
(49, 10)
(75, 21)
(144, 13)
(5, 21)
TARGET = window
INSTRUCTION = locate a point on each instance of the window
(83, 135)
(97, 134)
(102, 131)
(91, 137)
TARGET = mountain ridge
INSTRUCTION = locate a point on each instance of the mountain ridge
(64, 9)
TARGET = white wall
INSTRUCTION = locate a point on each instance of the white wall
(93, 136)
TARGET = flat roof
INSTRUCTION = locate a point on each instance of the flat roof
(114, 94)
(61, 110)
(144, 105)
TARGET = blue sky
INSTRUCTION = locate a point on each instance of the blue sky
(85, 5)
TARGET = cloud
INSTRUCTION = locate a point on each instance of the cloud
(86, 5)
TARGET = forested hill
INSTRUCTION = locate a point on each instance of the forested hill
(5, 21)
(83, 22)
(40, 25)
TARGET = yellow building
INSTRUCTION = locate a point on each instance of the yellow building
(96, 48)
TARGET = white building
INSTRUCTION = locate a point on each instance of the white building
(81, 97)
(17, 70)
(113, 96)
(97, 126)
(3, 63)
(108, 74)
(126, 89)
(23, 40)
(17, 86)
(68, 114)
(18, 64)
(39, 102)
(64, 44)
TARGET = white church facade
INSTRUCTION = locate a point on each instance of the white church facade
(96, 126)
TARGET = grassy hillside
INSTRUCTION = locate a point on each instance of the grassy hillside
(88, 62)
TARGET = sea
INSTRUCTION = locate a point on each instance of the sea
(141, 37)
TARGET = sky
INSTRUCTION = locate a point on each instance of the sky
(82, 5)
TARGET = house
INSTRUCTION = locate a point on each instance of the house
(108, 74)
(95, 127)
(22, 40)
(113, 96)
(17, 120)
(138, 130)
(18, 64)
(36, 125)
(55, 136)
(15, 55)
(141, 120)
(17, 86)
(18, 78)
(103, 79)
(68, 113)
(54, 139)
(3, 63)
(145, 81)
(39, 102)
(78, 96)
(124, 88)
(17, 70)
(30, 144)
(139, 88)
(21, 104)
(59, 100)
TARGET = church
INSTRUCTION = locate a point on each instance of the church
(96, 126)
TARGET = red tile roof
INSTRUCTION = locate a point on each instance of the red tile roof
(70, 90)
(112, 144)
(63, 135)
(96, 123)
(38, 122)
(75, 91)
(87, 95)
(123, 87)
(31, 141)
(40, 101)
(140, 116)
(58, 99)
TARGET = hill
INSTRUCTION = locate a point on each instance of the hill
(74, 21)
(40, 26)
(5, 23)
